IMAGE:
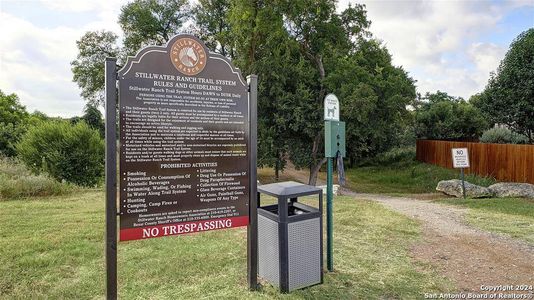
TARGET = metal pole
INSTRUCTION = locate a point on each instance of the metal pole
(111, 178)
(252, 228)
(321, 230)
(463, 181)
(329, 219)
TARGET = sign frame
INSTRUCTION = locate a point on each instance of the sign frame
(184, 117)
(111, 101)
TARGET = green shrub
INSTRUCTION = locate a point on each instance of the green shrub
(16, 181)
(444, 117)
(503, 136)
(74, 153)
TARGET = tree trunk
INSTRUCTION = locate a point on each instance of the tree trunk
(315, 150)
(252, 48)
(277, 169)
(317, 141)
(315, 171)
(322, 75)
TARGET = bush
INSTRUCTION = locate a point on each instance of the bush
(503, 136)
(16, 181)
(74, 153)
(443, 117)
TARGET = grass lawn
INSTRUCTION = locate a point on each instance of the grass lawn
(404, 178)
(54, 248)
(509, 216)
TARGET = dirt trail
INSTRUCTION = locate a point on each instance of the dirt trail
(468, 256)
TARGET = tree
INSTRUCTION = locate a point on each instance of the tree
(286, 43)
(263, 47)
(212, 25)
(88, 68)
(143, 22)
(74, 153)
(509, 97)
(374, 95)
(151, 22)
(13, 117)
(303, 49)
(444, 117)
(93, 117)
(322, 34)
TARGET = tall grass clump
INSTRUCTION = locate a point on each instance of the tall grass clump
(16, 181)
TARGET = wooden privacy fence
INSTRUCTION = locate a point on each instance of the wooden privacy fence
(504, 162)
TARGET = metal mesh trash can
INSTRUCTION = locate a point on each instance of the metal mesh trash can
(290, 240)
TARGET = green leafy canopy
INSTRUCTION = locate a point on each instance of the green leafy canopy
(13, 121)
(443, 117)
(508, 99)
(301, 50)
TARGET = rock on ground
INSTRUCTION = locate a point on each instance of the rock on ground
(454, 188)
(512, 189)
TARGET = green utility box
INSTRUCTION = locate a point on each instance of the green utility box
(334, 133)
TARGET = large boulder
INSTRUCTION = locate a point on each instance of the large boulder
(454, 188)
(512, 189)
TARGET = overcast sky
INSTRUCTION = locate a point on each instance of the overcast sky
(450, 46)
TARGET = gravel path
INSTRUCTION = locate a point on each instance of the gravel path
(468, 256)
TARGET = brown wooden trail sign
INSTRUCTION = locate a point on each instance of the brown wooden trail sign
(184, 142)
(187, 121)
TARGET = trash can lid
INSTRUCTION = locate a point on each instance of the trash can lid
(289, 189)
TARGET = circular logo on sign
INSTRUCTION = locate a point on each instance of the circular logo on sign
(188, 56)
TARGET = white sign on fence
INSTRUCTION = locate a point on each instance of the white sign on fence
(460, 158)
